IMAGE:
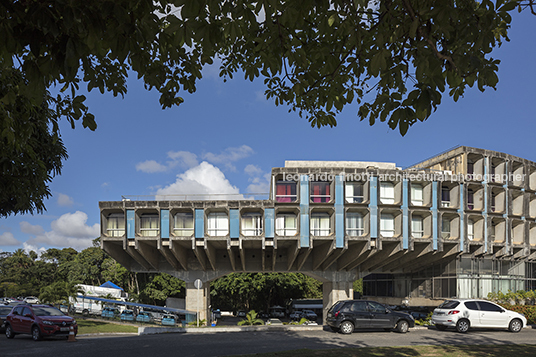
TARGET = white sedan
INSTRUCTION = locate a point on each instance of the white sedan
(463, 314)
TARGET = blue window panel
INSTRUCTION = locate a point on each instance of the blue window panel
(462, 218)
(405, 215)
(131, 223)
(304, 230)
(339, 212)
(304, 211)
(435, 223)
(164, 223)
(373, 207)
(199, 229)
(269, 223)
(234, 223)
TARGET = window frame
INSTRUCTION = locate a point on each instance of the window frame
(150, 218)
(283, 217)
(324, 192)
(215, 219)
(317, 220)
(256, 219)
(353, 198)
(359, 219)
(387, 217)
(183, 229)
(384, 198)
(291, 191)
(114, 217)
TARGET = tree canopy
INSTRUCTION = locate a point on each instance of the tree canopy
(395, 59)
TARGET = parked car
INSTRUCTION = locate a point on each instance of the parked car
(31, 300)
(217, 314)
(347, 315)
(295, 315)
(309, 315)
(144, 316)
(464, 314)
(110, 312)
(127, 315)
(4, 311)
(39, 321)
(241, 313)
(168, 320)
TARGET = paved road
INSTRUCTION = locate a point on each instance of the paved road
(236, 343)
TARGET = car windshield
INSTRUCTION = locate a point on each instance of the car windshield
(127, 312)
(449, 304)
(47, 311)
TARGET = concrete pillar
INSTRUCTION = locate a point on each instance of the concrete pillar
(199, 300)
(334, 291)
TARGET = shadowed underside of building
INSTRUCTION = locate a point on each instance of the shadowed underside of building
(462, 223)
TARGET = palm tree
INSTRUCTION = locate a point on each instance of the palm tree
(251, 319)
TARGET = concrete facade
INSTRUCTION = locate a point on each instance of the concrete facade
(462, 223)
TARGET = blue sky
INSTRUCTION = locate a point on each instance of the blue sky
(226, 137)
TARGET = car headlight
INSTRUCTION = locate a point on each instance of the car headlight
(46, 322)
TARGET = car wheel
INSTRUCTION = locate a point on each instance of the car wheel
(515, 325)
(347, 327)
(36, 334)
(402, 326)
(441, 327)
(9, 332)
(462, 325)
(85, 313)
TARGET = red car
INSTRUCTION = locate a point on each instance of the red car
(39, 321)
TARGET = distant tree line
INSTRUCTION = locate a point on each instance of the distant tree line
(53, 275)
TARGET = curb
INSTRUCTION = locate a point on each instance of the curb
(158, 330)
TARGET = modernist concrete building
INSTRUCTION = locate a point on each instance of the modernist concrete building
(460, 224)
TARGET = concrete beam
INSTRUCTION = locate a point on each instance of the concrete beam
(395, 256)
(448, 252)
(500, 253)
(137, 257)
(479, 251)
(418, 251)
(333, 258)
(148, 252)
(169, 256)
(523, 252)
(232, 257)
(292, 253)
(303, 257)
(242, 252)
(321, 253)
(532, 256)
(118, 253)
(180, 254)
(363, 257)
(263, 259)
(388, 249)
(199, 252)
(210, 251)
(351, 254)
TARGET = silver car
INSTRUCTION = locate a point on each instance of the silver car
(463, 314)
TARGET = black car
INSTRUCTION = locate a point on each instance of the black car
(4, 311)
(347, 315)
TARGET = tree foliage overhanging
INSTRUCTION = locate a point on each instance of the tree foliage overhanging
(394, 58)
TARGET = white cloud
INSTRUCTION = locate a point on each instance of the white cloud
(150, 166)
(64, 200)
(202, 179)
(70, 230)
(259, 184)
(28, 228)
(229, 155)
(253, 170)
(7, 238)
(184, 159)
(28, 248)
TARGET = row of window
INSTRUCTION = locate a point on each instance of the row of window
(320, 193)
(286, 224)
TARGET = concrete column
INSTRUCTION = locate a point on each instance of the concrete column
(199, 299)
(334, 291)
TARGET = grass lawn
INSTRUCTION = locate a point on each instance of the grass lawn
(414, 351)
(92, 326)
